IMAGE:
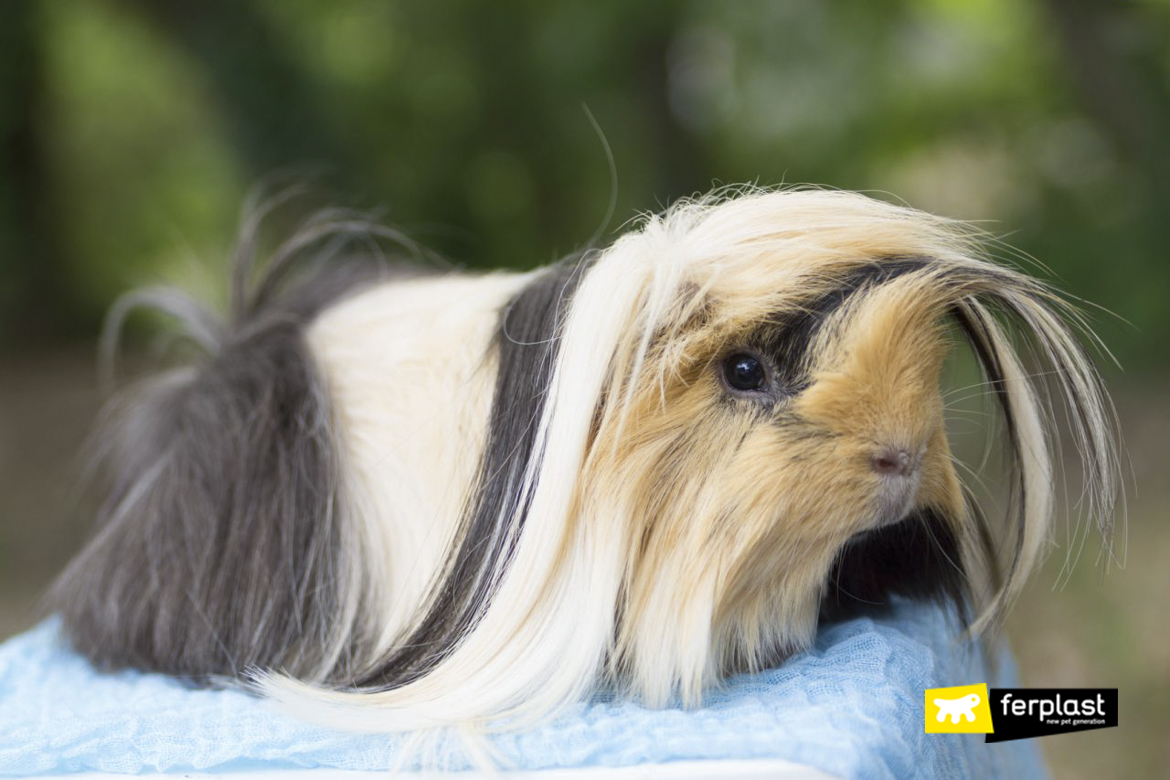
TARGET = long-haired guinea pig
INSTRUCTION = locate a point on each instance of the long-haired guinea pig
(439, 498)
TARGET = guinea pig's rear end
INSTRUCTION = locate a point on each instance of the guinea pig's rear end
(451, 499)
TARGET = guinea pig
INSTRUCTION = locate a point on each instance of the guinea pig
(434, 498)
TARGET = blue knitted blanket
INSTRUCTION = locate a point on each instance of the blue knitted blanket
(853, 706)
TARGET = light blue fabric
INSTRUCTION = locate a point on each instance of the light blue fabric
(852, 706)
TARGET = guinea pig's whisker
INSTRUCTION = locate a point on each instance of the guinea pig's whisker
(975, 475)
(951, 400)
(961, 412)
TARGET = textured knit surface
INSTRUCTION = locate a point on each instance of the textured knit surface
(852, 706)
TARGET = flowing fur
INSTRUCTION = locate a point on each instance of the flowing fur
(528, 486)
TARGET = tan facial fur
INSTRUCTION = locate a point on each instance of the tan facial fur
(744, 505)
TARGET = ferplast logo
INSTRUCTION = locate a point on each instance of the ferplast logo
(963, 709)
(1018, 713)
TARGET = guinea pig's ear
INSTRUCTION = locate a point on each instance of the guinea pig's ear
(1027, 402)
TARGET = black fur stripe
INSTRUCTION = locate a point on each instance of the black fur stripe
(789, 336)
(526, 344)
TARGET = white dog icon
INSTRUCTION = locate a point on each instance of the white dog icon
(964, 705)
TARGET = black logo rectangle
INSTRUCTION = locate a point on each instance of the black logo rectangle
(1019, 713)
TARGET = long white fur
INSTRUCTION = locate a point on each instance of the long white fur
(548, 633)
(397, 418)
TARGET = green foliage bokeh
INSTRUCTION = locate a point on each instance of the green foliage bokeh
(140, 125)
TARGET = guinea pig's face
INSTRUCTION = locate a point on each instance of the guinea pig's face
(770, 444)
(872, 413)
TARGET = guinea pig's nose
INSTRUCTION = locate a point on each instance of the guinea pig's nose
(893, 462)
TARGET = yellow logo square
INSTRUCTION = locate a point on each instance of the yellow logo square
(963, 709)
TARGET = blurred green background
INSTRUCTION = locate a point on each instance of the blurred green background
(133, 129)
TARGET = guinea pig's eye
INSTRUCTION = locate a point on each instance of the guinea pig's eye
(744, 372)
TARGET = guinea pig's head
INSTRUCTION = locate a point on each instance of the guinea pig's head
(766, 441)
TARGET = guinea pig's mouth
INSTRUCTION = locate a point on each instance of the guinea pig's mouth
(897, 498)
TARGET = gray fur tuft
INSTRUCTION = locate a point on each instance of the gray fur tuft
(222, 545)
